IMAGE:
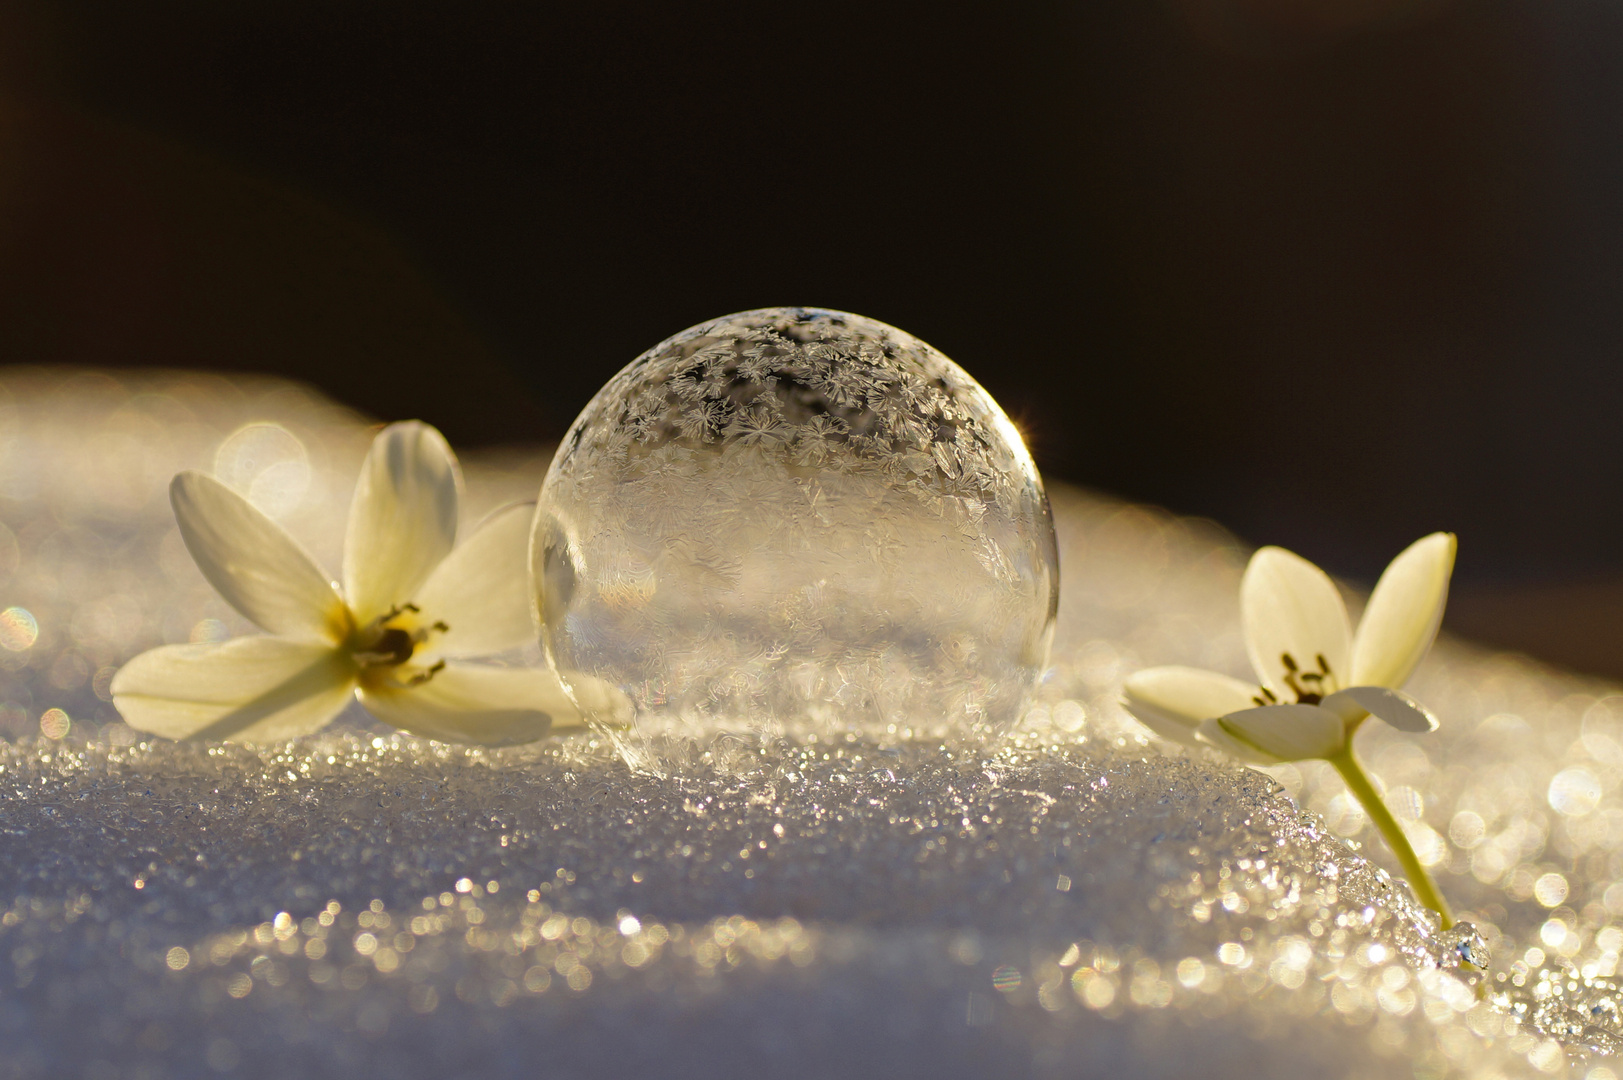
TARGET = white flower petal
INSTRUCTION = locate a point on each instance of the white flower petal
(482, 589)
(1172, 701)
(253, 563)
(251, 689)
(1404, 612)
(464, 703)
(402, 521)
(1289, 607)
(1287, 732)
(1211, 733)
(1395, 707)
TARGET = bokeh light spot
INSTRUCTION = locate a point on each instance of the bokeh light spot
(267, 464)
(54, 724)
(1574, 792)
(1550, 889)
(18, 629)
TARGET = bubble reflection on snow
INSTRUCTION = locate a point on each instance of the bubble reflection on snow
(1072, 901)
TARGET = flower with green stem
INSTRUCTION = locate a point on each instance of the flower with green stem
(1317, 680)
(397, 633)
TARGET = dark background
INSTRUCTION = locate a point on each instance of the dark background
(1333, 272)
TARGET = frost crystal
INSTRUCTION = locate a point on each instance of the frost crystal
(795, 518)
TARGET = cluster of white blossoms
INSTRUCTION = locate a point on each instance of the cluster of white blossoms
(398, 633)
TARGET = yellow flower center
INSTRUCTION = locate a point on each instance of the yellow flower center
(391, 640)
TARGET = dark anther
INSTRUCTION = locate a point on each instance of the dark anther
(1305, 697)
(397, 610)
(423, 676)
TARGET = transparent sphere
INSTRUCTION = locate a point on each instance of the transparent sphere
(795, 519)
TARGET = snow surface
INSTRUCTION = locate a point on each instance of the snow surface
(1072, 899)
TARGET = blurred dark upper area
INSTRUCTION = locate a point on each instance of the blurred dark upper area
(1333, 272)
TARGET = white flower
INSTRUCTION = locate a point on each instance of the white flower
(410, 610)
(1317, 681)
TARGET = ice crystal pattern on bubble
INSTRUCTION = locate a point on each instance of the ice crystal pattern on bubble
(796, 517)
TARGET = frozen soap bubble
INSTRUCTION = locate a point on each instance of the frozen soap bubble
(795, 519)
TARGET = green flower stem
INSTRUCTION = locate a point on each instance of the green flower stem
(1358, 782)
